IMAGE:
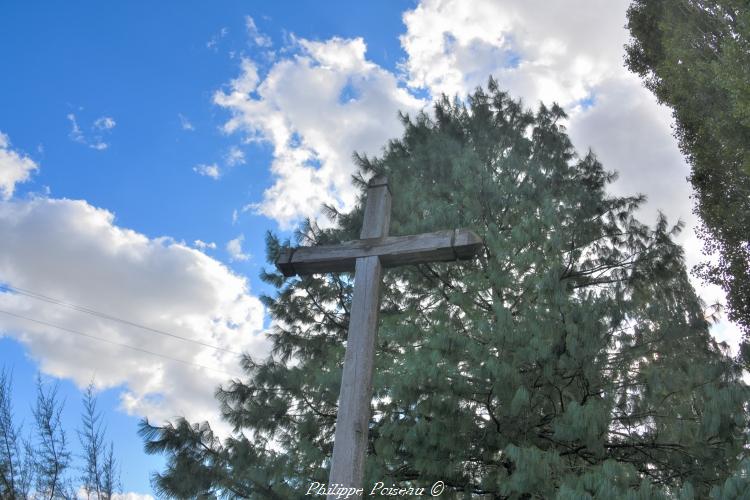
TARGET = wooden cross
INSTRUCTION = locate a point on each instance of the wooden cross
(367, 257)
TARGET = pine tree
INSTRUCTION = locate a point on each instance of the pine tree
(39, 467)
(51, 454)
(110, 474)
(15, 468)
(100, 476)
(570, 360)
(91, 437)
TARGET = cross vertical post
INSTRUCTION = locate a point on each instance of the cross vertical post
(367, 257)
(353, 417)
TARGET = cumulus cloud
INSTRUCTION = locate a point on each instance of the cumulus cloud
(567, 52)
(315, 108)
(630, 133)
(319, 105)
(234, 248)
(571, 53)
(537, 49)
(211, 170)
(118, 272)
(14, 168)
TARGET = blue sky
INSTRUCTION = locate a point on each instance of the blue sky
(132, 132)
(146, 65)
(153, 68)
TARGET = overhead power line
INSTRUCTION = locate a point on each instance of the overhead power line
(120, 344)
(98, 314)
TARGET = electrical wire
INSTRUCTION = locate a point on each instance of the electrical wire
(93, 312)
(120, 344)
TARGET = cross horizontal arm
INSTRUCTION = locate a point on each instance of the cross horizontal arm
(440, 246)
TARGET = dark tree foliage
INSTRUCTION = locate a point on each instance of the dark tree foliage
(51, 453)
(100, 476)
(571, 359)
(694, 55)
(39, 467)
(111, 484)
(91, 437)
(15, 466)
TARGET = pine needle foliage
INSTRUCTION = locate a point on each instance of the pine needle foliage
(571, 359)
(51, 454)
(39, 467)
(15, 466)
(100, 474)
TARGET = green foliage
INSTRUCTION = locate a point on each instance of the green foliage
(40, 467)
(571, 359)
(100, 476)
(695, 56)
(92, 441)
(51, 455)
(15, 467)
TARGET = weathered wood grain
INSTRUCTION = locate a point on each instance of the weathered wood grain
(440, 246)
(353, 416)
(367, 257)
(350, 441)
(377, 217)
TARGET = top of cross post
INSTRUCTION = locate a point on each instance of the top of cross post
(377, 217)
(378, 181)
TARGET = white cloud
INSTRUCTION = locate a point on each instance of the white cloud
(316, 108)
(154, 282)
(117, 496)
(76, 135)
(104, 123)
(101, 127)
(211, 44)
(185, 123)
(14, 168)
(235, 156)
(328, 100)
(234, 248)
(248, 79)
(256, 36)
(211, 170)
(132, 496)
(538, 49)
(630, 133)
(568, 52)
(202, 245)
